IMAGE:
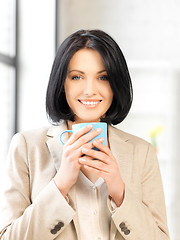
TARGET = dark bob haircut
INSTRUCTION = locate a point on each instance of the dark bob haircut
(57, 107)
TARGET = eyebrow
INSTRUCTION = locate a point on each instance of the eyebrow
(84, 73)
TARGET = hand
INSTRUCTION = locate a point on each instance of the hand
(105, 166)
(68, 172)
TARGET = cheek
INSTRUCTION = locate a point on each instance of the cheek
(71, 93)
(108, 93)
(68, 90)
(68, 96)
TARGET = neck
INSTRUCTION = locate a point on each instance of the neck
(70, 123)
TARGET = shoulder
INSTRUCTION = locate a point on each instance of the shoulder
(127, 137)
(38, 136)
(31, 135)
(142, 150)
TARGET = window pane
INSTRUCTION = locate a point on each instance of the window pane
(7, 85)
(7, 27)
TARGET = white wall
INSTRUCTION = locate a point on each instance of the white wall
(36, 54)
(146, 30)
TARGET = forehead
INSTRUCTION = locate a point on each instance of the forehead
(87, 58)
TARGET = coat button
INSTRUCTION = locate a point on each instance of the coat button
(123, 229)
(60, 224)
(57, 227)
(126, 232)
(53, 231)
(122, 225)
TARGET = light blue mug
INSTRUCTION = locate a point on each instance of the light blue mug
(78, 126)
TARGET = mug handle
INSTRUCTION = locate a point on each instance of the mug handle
(62, 134)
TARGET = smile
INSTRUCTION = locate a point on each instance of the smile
(90, 102)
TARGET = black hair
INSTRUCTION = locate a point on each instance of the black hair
(57, 107)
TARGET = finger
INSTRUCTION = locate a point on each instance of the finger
(85, 158)
(90, 145)
(86, 138)
(96, 155)
(100, 173)
(77, 153)
(99, 165)
(103, 148)
(78, 134)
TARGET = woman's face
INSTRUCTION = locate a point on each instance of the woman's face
(87, 88)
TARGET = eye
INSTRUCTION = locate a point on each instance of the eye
(76, 77)
(104, 77)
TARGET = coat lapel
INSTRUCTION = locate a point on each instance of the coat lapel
(54, 145)
(56, 149)
(122, 151)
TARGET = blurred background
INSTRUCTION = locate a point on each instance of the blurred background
(148, 33)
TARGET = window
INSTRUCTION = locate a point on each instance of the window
(8, 73)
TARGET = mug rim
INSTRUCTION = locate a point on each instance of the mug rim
(89, 123)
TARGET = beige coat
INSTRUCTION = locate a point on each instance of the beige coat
(32, 207)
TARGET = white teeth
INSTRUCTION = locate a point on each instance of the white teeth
(89, 103)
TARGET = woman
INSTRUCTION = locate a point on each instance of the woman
(57, 192)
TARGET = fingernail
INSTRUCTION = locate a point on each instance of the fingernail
(99, 130)
(89, 126)
(85, 150)
(82, 159)
(101, 139)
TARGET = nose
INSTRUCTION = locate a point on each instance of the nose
(90, 87)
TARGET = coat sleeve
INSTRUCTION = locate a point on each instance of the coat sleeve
(44, 218)
(144, 218)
